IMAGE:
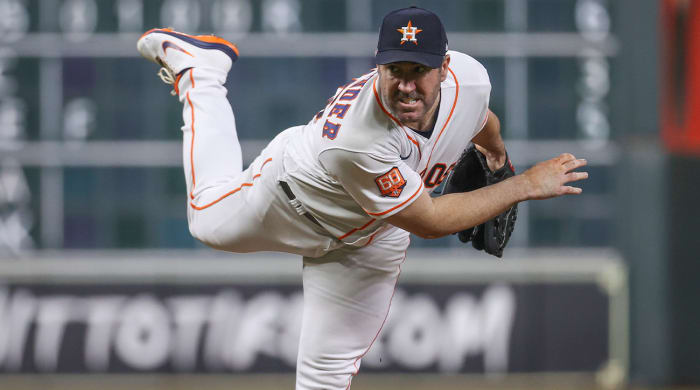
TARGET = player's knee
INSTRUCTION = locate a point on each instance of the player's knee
(208, 234)
(201, 232)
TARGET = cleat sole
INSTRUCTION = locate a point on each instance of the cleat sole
(201, 41)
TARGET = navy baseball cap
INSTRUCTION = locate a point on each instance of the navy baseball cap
(412, 34)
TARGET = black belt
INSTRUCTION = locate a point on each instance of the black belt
(296, 203)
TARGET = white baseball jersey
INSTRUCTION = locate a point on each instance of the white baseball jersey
(355, 164)
(352, 166)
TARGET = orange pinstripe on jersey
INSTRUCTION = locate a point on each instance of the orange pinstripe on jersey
(371, 238)
(454, 104)
(357, 369)
(191, 147)
(177, 82)
(399, 205)
(249, 184)
(379, 101)
(357, 229)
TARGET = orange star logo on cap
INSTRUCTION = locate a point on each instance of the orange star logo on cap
(409, 33)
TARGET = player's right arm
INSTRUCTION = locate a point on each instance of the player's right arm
(490, 143)
(430, 217)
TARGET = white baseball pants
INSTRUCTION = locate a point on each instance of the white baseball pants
(346, 297)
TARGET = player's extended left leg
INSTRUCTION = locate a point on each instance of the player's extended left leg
(197, 66)
(227, 208)
(347, 295)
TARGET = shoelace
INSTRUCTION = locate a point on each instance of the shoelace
(167, 76)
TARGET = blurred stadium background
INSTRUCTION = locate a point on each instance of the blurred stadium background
(101, 284)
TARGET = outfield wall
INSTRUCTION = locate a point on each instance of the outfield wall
(540, 312)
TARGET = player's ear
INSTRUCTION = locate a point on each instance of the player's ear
(443, 67)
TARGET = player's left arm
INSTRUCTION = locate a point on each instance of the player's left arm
(490, 143)
(429, 217)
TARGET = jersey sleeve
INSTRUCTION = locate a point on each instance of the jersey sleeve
(483, 118)
(476, 99)
(381, 188)
(475, 90)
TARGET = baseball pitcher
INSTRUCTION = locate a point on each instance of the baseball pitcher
(346, 189)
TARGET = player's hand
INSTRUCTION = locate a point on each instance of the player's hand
(548, 179)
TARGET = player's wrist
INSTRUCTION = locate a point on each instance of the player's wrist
(523, 187)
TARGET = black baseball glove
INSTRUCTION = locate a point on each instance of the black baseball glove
(472, 172)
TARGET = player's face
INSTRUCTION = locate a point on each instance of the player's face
(412, 91)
